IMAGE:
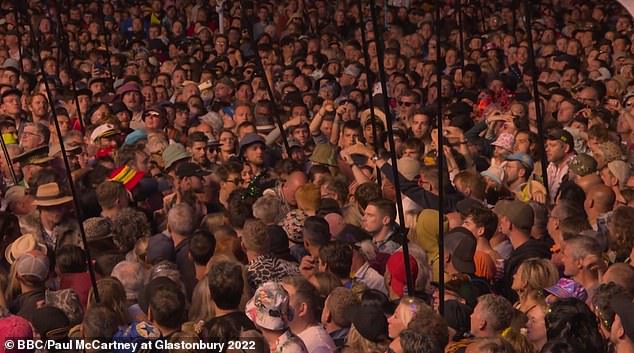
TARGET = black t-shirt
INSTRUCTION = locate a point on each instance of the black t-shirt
(227, 326)
(532, 248)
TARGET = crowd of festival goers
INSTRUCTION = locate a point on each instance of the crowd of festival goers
(232, 175)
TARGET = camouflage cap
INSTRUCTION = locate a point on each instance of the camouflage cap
(583, 164)
(67, 301)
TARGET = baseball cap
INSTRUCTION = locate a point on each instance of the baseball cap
(519, 213)
(396, 266)
(563, 136)
(14, 327)
(620, 170)
(461, 245)
(157, 109)
(523, 158)
(134, 137)
(190, 169)
(583, 164)
(567, 288)
(269, 306)
(33, 263)
(103, 130)
(623, 307)
(494, 172)
(369, 321)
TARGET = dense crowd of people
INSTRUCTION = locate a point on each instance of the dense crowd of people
(232, 181)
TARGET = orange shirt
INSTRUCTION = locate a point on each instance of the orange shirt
(484, 265)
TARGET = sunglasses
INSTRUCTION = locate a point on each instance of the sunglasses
(407, 104)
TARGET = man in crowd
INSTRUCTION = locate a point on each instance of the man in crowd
(173, 128)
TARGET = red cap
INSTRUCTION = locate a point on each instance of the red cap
(396, 266)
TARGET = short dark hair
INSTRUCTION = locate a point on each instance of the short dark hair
(305, 292)
(316, 231)
(196, 137)
(386, 207)
(201, 246)
(486, 218)
(338, 258)
(226, 284)
(317, 169)
(70, 259)
(168, 307)
(240, 208)
(99, 321)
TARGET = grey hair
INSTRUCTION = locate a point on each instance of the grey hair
(181, 219)
(132, 276)
(267, 209)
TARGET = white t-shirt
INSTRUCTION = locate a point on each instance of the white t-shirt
(317, 340)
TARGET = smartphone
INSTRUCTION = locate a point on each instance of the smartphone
(359, 159)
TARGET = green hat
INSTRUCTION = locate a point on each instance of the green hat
(324, 154)
(173, 153)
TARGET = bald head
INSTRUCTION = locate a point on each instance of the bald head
(293, 182)
(621, 274)
(599, 199)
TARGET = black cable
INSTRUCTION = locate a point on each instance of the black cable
(82, 231)
(258, 63)
(441, 168)
(538, 108)
(366, 57)
(62, 39)
(390, 134)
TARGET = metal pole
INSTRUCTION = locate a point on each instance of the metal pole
(62, 39)
(19, 35)
(461, 35)
(536, 98)
(390, 133)
(514, 24)
(258, 63)
(82, 232)
(106, 40)
(8, 160)
(366, 57)
(441, 169)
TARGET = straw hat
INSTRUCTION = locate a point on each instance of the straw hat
(50, 195)
(21, 246)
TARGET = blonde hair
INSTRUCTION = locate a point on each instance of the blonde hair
(409, 308)
(213, 221)
(13, 288)
(535, 275)
(201, 302)
(112, 295)
(358, 343)
(520, 343)
(140, 251)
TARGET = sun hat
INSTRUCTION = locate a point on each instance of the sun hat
(50, 195)
(22, 245)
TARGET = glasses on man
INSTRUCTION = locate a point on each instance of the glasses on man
(407, 104)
